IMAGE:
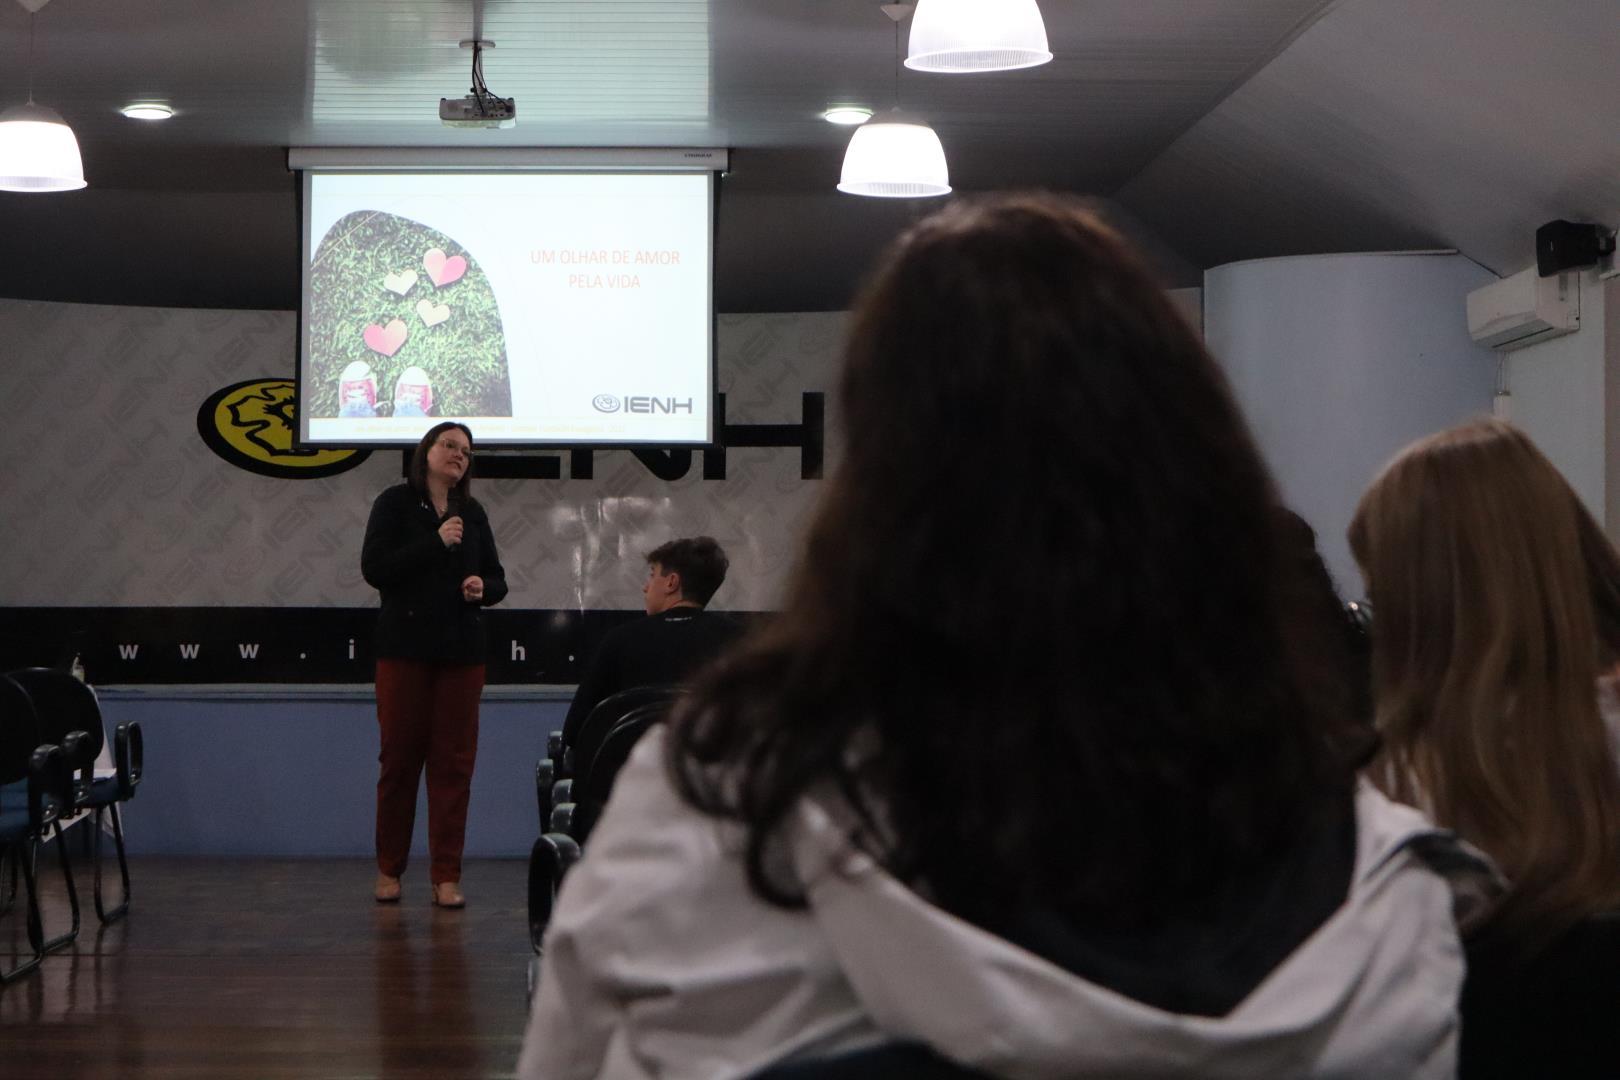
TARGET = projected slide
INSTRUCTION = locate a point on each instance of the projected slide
(537, 307)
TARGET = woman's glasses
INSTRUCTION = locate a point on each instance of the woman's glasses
(455, 448)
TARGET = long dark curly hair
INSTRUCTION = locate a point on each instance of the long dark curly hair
(1044, 634)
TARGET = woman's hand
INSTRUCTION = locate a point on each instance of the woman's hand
(450, 533)
(472, 588)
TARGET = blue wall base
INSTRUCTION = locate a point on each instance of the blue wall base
(293, 771)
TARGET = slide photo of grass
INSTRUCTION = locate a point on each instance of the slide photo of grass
(397, 294)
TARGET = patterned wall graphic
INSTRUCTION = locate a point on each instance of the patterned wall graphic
(128, 526)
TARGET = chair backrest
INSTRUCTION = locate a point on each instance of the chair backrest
(596, 784)
(63, 704)
(605, 717)
(1555, 1013)
(19, 731)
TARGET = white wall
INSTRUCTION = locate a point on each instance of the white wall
(1559, 397)
(128, 507)
(1339, 361)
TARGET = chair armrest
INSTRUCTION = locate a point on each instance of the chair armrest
(562, 791)
(549, 859)
(50, 786)
(544, 777)
(554, 746)
(80, 764)
(562, 819)
(129, 755)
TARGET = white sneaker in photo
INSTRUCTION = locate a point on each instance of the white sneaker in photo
(357, 385)
(413, 393)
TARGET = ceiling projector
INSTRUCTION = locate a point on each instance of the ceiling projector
(478, 111)
(480, 108)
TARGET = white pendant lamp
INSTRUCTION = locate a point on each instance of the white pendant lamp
(959, 36)
(895, 156)
(38, 152)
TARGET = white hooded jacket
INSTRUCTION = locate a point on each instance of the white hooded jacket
(660, 962)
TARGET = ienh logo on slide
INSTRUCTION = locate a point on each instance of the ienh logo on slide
(250, 425)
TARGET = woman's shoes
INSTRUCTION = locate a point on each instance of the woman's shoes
(446, 894)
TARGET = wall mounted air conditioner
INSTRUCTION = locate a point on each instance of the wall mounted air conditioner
(1524, 309)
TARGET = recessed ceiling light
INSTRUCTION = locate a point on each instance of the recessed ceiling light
(847, 114)
(147, 110)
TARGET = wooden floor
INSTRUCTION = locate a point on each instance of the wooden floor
(273, 970)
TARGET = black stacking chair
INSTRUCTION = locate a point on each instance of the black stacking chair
(549, 859)
(595, 784)
(19, 737)
(601, 720)
(70, 715)
(555, 773)
(1555, 1012)
(887, 1062)
(559, 848)
(36, 787)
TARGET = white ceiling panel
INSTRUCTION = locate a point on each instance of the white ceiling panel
(1404, 123)
(1226, 128)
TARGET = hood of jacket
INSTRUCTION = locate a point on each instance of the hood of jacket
(1372, 992)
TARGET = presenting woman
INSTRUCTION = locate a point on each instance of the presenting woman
(431, 554)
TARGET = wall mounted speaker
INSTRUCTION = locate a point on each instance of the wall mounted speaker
(1567, 245)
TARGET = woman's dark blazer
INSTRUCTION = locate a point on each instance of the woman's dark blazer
(423, 616)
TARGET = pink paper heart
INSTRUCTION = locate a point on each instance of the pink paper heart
(386, 339)
(441, 270)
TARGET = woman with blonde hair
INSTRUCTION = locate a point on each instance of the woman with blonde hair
(1494, 598)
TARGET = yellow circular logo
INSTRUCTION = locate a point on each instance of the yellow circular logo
(251, 424)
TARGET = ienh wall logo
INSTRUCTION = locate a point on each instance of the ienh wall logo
(808, 436)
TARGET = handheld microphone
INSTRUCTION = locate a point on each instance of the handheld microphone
(452, 508)
(467, 557)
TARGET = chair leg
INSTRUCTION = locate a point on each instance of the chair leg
(67, 938)
(102, 912)
(36, 931)
(8, 861)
